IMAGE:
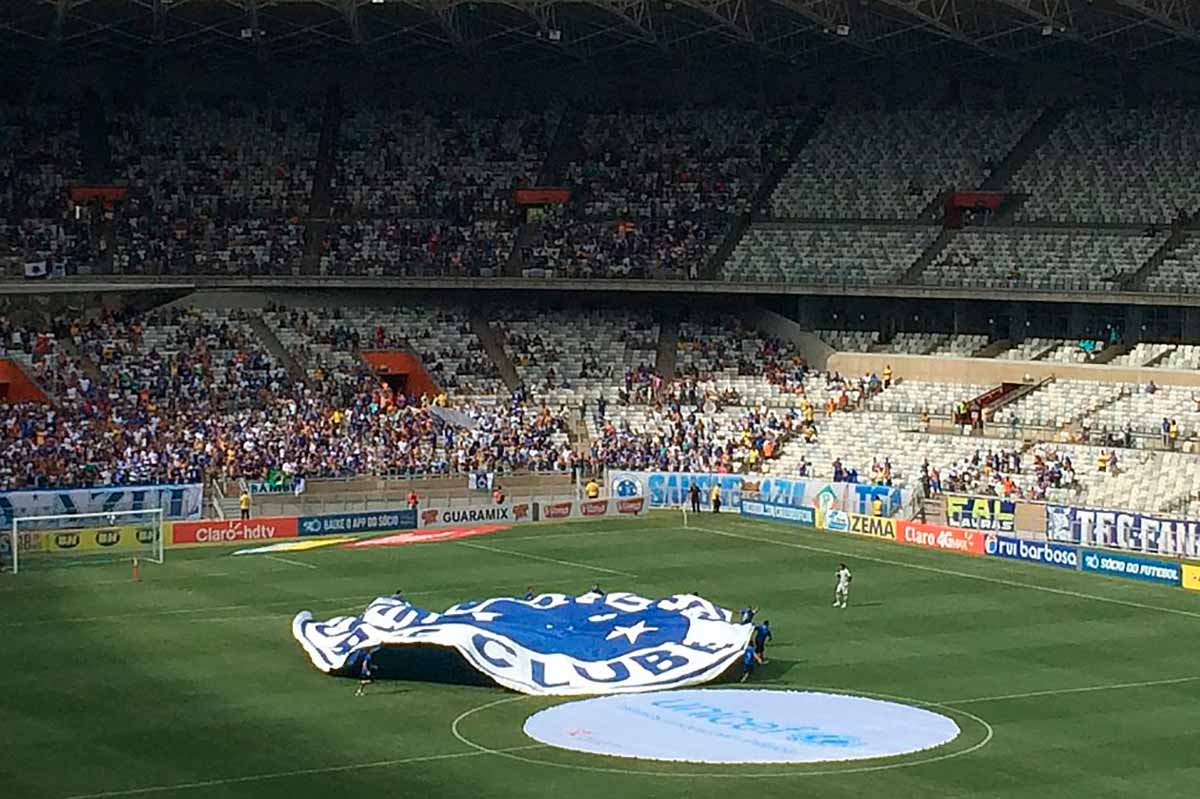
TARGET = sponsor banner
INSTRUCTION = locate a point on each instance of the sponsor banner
(426, 536)
(934, 536)
(1116, 564)
(229, 531)
(670, 489)
(380, 521)
(981, 513)
(1133, 532)
(556, 510)
(805, 517)
(176, 501)
(619, 642)
(877, 526)
(593, 507)
(836, 520)
(1045, 552)
(1191, 577)
(633, 506)
(299, 545)
(124, 538)
(506, 513)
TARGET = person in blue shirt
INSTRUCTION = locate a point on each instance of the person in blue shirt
(528, 593)
(749, 658)
(365, 669)
(748, 615)
(397, 594)
(762, 634)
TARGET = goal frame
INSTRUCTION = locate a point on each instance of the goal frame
(79, 520)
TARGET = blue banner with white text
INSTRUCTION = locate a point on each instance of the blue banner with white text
(379, 521)
(1163, 572)
(670, 489)
(1132, 532)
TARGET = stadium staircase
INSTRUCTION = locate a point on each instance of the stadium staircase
(266, 337)
(668, 346)
(912, 275)
(1137, 280)
(1108, 354)
(1034, 137)
(320, 202)
(995, 348)
(800, 137)
(762, 196)
(563, 149)
(733, 236)
(491, 345)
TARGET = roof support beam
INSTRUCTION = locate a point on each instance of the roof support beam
(732, 15)
(634, 14)
(1176, 16)
(954, 19)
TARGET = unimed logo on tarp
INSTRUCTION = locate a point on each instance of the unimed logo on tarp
(225, 531)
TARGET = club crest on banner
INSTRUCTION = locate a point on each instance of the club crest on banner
(553, 644)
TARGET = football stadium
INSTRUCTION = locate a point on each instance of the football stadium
(601, 398)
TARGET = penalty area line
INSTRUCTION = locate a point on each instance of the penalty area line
(1062, 691)
(290, 562)
(543, 558)
(953, 573)
(275, 775)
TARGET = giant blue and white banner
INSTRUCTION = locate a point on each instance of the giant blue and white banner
(552, 644)
(1134, 532)
(670, 489)
(179, 502)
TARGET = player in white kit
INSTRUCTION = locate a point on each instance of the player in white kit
(842, 591)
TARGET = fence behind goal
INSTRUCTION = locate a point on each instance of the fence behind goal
(44, 541)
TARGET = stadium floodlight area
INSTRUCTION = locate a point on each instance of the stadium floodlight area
(35, 542)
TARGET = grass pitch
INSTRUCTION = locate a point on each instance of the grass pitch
(189, 684)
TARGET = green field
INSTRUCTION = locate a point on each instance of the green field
(188, 684)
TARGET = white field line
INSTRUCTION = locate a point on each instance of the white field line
(254, 606)
(275, 775)
(1061, 691)
(292, 562)
(544, 559)
(954, 573)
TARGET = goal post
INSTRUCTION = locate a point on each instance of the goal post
(38, 541)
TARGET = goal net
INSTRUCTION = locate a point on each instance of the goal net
(35, 542)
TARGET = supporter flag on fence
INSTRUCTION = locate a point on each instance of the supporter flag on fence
(551, 644)
(481, 481)
(36, 269)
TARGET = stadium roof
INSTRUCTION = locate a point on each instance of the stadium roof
(1084, 36)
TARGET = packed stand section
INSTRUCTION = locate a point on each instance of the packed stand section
(893, 165)
(654, 193)
(39, 160)
(856, 255)
(430, 191)
(416, 248)
(182, 395)
(654, 248)
(1114, 166)
(1085, 260)
(216, 188)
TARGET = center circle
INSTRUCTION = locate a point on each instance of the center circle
(740, 726)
